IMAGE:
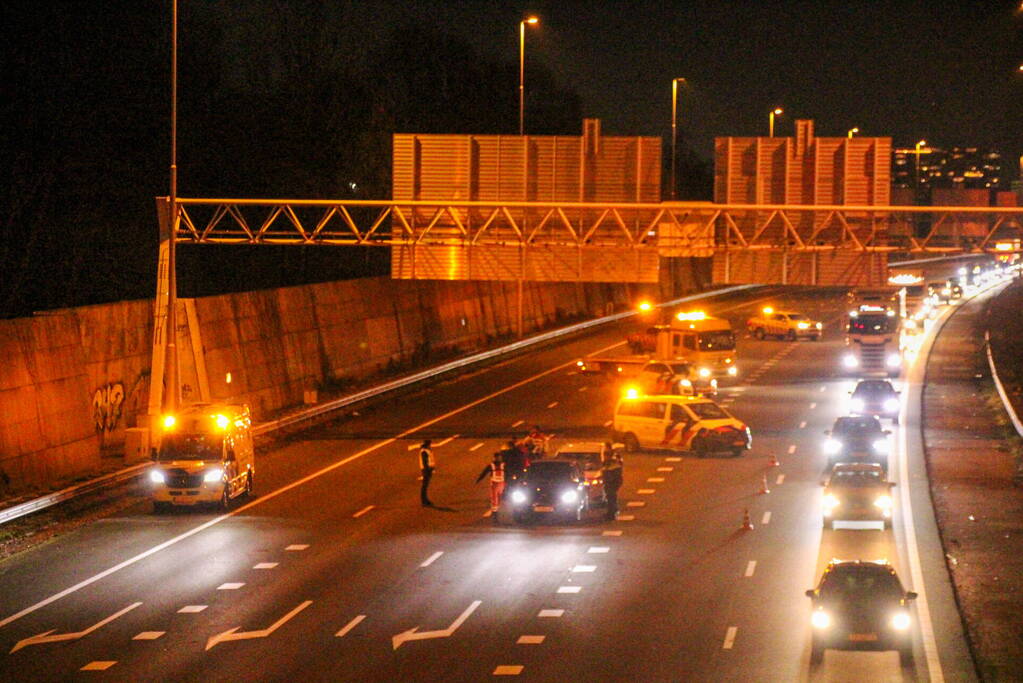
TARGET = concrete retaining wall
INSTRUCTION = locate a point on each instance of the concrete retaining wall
(71, 381)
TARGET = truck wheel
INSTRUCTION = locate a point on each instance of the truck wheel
(816, 337)
(791, 336)
(736, 452)
(159, 507)
(631, 443)
(759, 333)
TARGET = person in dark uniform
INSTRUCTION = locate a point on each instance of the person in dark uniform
(612, 483)
(426, 466)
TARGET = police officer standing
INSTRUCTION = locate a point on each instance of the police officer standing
(496, 471)
(426, 466)
(612, 482)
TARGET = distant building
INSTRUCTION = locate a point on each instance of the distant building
(971, 168)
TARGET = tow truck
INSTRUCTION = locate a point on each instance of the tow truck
(788, 325)
(705, 342)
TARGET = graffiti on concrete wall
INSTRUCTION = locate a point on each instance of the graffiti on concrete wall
(107, 404)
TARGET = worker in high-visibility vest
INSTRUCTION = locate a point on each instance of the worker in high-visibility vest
(496, 471)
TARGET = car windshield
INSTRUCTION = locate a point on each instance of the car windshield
(719, 340)
(797, 316)
(680, 368)
(860, 586)
(588, 461)
(708, 411)
(856, 425)
(190, 447)
(549, 471)
(873, 389)
(871, 324)
(855, 478)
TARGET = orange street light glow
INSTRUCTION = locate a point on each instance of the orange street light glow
(645, 306)
(532, 20)
(778, 111)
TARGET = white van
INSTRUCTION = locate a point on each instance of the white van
(205, 456)
(678, 423)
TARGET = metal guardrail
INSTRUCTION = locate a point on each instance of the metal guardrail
(126, 475)
(1001, 389)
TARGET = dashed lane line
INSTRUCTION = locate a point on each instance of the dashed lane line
(530, 640)
(673, 458)
(636, 504)
(792, 449)
(812, 406)
(766, 519)
(149, 635)
(598, 549)
(508, 670)
(781, 479)
(751, 567)
(802, 425)
(265, 565)
(665, 469)
(363, 511)
(626, 518)
(230, 586)
(552, 404)
(431, 559)
(349, 626)
(730, 637)
(569, 589)
(550, 613)
(191, 609)
(98, 666)
(655, 480)
(611, 532)
(296, 547)
(516, 424)
(646, 492)
(609, 423)
(582, 389)
(447, 440)
(584, 569)
(477, 446)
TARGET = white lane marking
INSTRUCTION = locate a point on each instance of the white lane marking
(598, 549)
(635, 504)
(738, 390)
(781, 479)
(479, 445)
(626, 518)
(655, 480)
(751, 567)
(551, 613)
(812, 406)
(430, 560)
(265, 565)
(232, 634)
(646, 492)
(412, 447)
(51, 637)
(191, 609)
(414, 633)
(363, 511)
(516, 424)
(552, 404)
(792, 449)
(584, 569)
(766, 518)
(149, 635)
(610, 532)
(730, 637)
(673, 458)
(508, 670)
(530, 640)
(297, 546)
(582, 389)
(609, 423)
(665, 469)
(569, 589)
(230, 586)
(98, 666)
(824, 388)
(349, 626)
(447, 440)
(802, 425)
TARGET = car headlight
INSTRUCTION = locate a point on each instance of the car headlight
(803, 326)
(850, 361)
(157, 477)
(570, 496)
(946, 291)
(819, 326)
(831, 501)
(714, 383)
(820, 619)
(884, 502)
(856, 404)
(213, 476)
(518, 496)
(704, 372)
(733, 371)
(901, 621)
(893, 360)
(832, 446)
(881, 446)
(685, 383)
(891, 404)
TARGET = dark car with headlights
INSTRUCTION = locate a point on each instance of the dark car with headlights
(861, 606)
(857, 439)
(875, 397)
(549, 488)
(857, 492)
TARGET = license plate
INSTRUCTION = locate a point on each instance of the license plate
(543, 508)
(862, 637)
(181, 500)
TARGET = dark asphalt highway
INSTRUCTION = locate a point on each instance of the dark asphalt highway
(326, 572)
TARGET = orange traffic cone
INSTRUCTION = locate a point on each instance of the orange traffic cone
(747, 523)
(763, 486)
(773, 462)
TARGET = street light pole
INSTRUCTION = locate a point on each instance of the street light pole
(674, 132)
(777, 111)
(522, 71)
(918, 146)
(171, 394)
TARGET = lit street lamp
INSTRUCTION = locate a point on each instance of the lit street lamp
(522, 70)
(775, 112)
(674, 121)
(853, 131)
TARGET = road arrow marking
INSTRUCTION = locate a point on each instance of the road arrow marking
(47, 638)
(231, 635)
(414, 633)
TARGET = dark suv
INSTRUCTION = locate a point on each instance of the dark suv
(552, 488)
(857, 439)
(861, 606)
(875, 397)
